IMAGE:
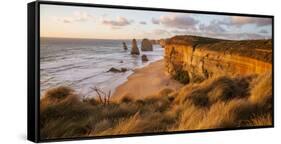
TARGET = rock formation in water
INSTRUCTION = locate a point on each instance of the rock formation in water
(197, 58)
(146, 45)
(115, 70)
(125, 46)
(144, 58)
(135, 50)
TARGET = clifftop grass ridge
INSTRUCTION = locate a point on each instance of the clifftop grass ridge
(258, 49)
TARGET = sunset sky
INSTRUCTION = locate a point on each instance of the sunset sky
(104, 23)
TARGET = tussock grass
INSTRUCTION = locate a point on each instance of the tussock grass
(226, 102)
(227, 114)
(190, 117)
(58, 95)
(218, 102)
(261, 92)
(91, 117)
(262, 120)
(181, 76)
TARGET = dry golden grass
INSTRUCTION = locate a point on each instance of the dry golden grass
(225, 102)
(58, 95)
(261, 92)
(262, 120)
(91, 117)
(227, 114)
(219, 102)
(190, 117)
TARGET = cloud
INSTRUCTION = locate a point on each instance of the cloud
(161, 32)
(77, 16)
(213, 27)
(143, 22)
(239, 21)
(181, 32)
(219, 29)
(155, 21)
(179, 21)
(263, 31)
(223, 35)
(66, 20)
(82, 16)
(242, 36)
(120, 21)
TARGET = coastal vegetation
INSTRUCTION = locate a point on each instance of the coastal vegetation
(221, 102)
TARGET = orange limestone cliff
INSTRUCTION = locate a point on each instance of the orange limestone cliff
(195, 58)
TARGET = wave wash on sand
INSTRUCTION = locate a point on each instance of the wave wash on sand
(202, 101)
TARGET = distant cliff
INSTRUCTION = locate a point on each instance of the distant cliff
(160, 42)
(192, 58)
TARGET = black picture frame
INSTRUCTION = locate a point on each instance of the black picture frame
(33, 106)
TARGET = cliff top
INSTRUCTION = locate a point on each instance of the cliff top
(191, 40)
(258, 49)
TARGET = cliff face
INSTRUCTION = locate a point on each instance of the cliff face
(160, 42)
(200, 58)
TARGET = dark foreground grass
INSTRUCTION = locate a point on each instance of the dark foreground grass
(222, 102)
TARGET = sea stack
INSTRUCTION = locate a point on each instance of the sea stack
(135, 49)
(144, 58)
(125, 46)
(146, 45)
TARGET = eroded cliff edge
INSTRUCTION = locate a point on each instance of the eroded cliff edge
(192, 58)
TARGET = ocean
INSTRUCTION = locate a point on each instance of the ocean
(84, 63)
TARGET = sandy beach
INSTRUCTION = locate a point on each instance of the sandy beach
(147, 81)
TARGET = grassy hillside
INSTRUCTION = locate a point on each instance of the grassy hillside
(218, 102)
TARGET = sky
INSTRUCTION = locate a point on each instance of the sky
(108, 23)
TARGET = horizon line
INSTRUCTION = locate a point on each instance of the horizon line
(148, 38)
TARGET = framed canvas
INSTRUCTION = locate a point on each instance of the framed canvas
(104, 71)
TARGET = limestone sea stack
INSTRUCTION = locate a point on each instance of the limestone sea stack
(144, 58)
(125, 46)
(146, 45)
(135, 49)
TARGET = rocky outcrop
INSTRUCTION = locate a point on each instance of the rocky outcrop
(115, 70)
(144, 58)
(160, 42)
(146, 45)
(125, 46)
(191, 58)
(135, 49)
